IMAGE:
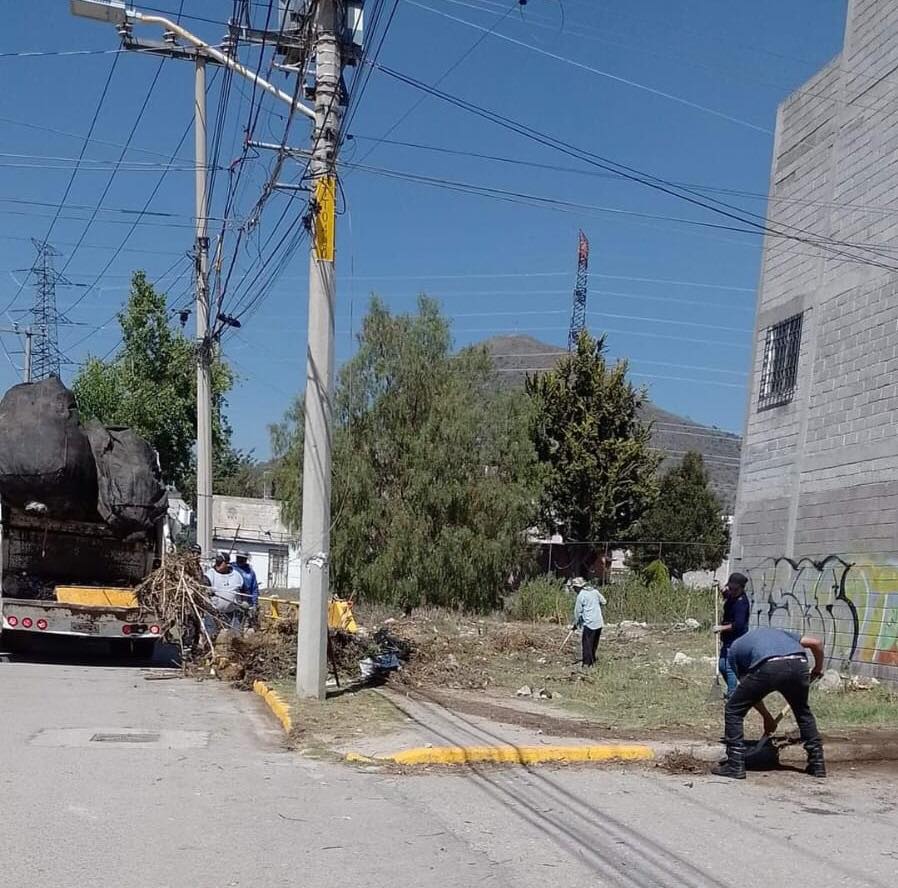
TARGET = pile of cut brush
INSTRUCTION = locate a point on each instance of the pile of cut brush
(177, 597)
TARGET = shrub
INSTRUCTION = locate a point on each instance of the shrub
(540, 599)
(634, 599)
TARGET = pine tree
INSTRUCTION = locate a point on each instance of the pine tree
(598, 468)
(689, 517)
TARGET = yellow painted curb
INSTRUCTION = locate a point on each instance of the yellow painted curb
(518, 755)
(275, 704)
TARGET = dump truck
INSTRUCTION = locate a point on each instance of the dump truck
(82, 519)
(75, 578)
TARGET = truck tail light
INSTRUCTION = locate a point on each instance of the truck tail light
(126, 629)
(27, 623)
(42, 624)
(12, 621)
(154, 630)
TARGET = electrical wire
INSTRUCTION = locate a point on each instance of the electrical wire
(648, 180)
(96, 115)
(597, 71)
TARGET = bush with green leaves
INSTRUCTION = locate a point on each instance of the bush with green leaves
(434, 477)
(540, 599)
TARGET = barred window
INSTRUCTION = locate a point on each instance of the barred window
(780, 368)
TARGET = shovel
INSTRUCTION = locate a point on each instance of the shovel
(567, 638)
(716, 692)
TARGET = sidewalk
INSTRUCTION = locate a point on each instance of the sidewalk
(437, 734)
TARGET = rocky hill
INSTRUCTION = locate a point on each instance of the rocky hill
(673, 434)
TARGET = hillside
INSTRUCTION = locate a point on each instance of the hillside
(673, 434)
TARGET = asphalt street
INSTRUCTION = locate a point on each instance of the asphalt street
(112, 777)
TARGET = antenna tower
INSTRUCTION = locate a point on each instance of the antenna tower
(578, 312)
(46, 357)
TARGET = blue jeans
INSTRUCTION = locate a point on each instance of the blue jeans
(723, 664)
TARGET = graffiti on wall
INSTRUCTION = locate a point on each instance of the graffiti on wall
(850, 603)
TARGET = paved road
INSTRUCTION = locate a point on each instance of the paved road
(208, 798)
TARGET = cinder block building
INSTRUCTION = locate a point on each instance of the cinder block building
(816, 524)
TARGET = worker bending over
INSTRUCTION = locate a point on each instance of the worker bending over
(768, 660)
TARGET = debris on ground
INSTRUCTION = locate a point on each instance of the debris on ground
(678, 761)
(248, 657)
(690, 624)
(682, 659)
(830, 681)
(524, 691)
(862, 683)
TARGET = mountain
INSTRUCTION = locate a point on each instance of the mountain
(516, 356)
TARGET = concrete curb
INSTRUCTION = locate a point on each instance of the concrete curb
(513, 755)
(274, 702)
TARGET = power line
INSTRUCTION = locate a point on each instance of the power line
(71, 181)
(561, 168)
(58, 132)
(597, 71)
(134, 224)
(648, 180)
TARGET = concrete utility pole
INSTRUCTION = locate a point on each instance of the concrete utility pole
(197, 50)
(203, 341)
(311, 660)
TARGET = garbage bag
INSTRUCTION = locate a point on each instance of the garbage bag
(45, 458)
(131, 496)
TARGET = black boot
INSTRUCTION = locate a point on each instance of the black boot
(816, 765)
(735, 764)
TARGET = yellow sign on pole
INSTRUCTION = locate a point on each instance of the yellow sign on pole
(325, 217)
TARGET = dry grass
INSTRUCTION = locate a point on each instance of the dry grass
(344, 717)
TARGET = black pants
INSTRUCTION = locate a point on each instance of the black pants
(590, 643)
(790, 678)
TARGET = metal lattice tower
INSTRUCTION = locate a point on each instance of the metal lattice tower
(578, 312)
(46, 357)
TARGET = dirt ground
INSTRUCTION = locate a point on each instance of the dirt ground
(655, 682)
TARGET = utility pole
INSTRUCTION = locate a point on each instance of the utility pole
(311, 660)
(203, 339)
(28, 334)
(195, 49)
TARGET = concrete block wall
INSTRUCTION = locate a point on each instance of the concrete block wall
(819, 475)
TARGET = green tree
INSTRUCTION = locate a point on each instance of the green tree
(689, 515)
(598, 468)
(150, 386)
(433, 473)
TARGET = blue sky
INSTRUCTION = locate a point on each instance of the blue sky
(675, 298)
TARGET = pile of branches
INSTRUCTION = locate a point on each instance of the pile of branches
(177, 597)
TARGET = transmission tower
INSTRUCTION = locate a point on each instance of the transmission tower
(46, 357)
(578, 312)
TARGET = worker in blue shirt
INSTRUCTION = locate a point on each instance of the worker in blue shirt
(250, 583)
(588, 617)
(736, 612)
(767, 660)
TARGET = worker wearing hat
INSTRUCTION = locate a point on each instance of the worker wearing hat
(736, 612)
(250, 583)
(588, 617)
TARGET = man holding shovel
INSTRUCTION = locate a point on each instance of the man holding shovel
(768, 660)
(588, 617)
(736, 609)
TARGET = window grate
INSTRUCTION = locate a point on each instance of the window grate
(780, 368)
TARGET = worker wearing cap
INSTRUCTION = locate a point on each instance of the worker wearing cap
(768, 660)
(250, 583)
(227, 587)
(588, 617)
(736, 611)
